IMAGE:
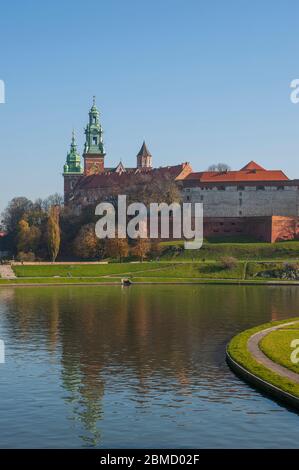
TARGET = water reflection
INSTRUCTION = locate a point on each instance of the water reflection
(122, 353)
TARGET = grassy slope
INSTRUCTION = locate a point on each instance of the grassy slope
(237, 348)
(276, 345)
(175, 270)
(59, 280)
(154, 270)
(241, 251)
(171, 265)
(196, 270)
(75, 270)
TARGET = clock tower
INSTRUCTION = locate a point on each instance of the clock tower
(94, 152)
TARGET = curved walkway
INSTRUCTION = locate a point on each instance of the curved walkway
(253, 348)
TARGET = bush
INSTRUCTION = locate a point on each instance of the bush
(23, 256)
(228, 262)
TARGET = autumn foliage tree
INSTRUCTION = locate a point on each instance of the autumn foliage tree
(86, 244)
(53, 232)
(141, 248)
(28, 238)
(117, 248)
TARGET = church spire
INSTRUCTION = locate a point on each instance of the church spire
(94, 132)
(94, 151)
(73, 159)
(144, 158)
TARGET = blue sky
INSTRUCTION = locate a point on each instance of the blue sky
(201, 81)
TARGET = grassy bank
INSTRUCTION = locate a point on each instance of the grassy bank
(59, 280)
(237, 348)
(240, 270)
(276, 345)
(241, 251)
(84, 270)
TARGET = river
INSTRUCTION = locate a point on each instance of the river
(139, 366)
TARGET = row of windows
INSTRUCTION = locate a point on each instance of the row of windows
(239, 188)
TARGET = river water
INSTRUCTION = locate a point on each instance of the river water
(142, 366)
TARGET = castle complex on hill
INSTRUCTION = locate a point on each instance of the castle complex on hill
(253, 201)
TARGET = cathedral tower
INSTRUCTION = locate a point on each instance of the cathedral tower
(144, 158)
(94, 152)
(72, 170)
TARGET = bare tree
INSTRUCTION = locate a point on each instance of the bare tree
(219, 167)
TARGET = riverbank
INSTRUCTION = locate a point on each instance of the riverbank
(253, 355)
(153, 272)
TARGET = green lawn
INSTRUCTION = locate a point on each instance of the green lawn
(208, 270)
(153, 269)
(276, 345)
(60, 280)
(242, 251)
(237, 348)
(171, 270)
(84, 270)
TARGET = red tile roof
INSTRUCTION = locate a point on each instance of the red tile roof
(250, 172)
(252, 166)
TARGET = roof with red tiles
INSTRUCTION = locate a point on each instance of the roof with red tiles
(250, 172)
(252, 166)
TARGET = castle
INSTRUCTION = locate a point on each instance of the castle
(252, 201)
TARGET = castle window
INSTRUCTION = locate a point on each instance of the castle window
(94, 141)
(94, 119)
(280, 188)
(261, 188)
(188, 198)
(201, 198)
(241, 188)
(240, 202)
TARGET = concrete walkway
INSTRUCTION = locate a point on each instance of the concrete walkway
(6, 272)
(259, 356)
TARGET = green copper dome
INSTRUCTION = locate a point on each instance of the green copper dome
(73, 159)
(94, 133)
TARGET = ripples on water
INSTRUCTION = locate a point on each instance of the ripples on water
(135, 367)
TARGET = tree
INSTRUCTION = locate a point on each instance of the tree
(219, 167)
(52, 200)
(53, 232)
(28, 237)
(155, 248)
(23, 235)
(14, 212)
(117, 248)
(86, 244)
(141, 248)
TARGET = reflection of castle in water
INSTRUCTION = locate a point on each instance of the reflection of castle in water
(140, 339)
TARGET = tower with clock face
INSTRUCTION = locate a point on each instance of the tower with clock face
(94, 153)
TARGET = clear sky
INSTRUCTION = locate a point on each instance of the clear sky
(200, 81)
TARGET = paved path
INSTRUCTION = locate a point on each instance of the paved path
(253, 348)
(6, 272)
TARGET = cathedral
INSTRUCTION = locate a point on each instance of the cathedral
(84, 185)
(252, 201)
